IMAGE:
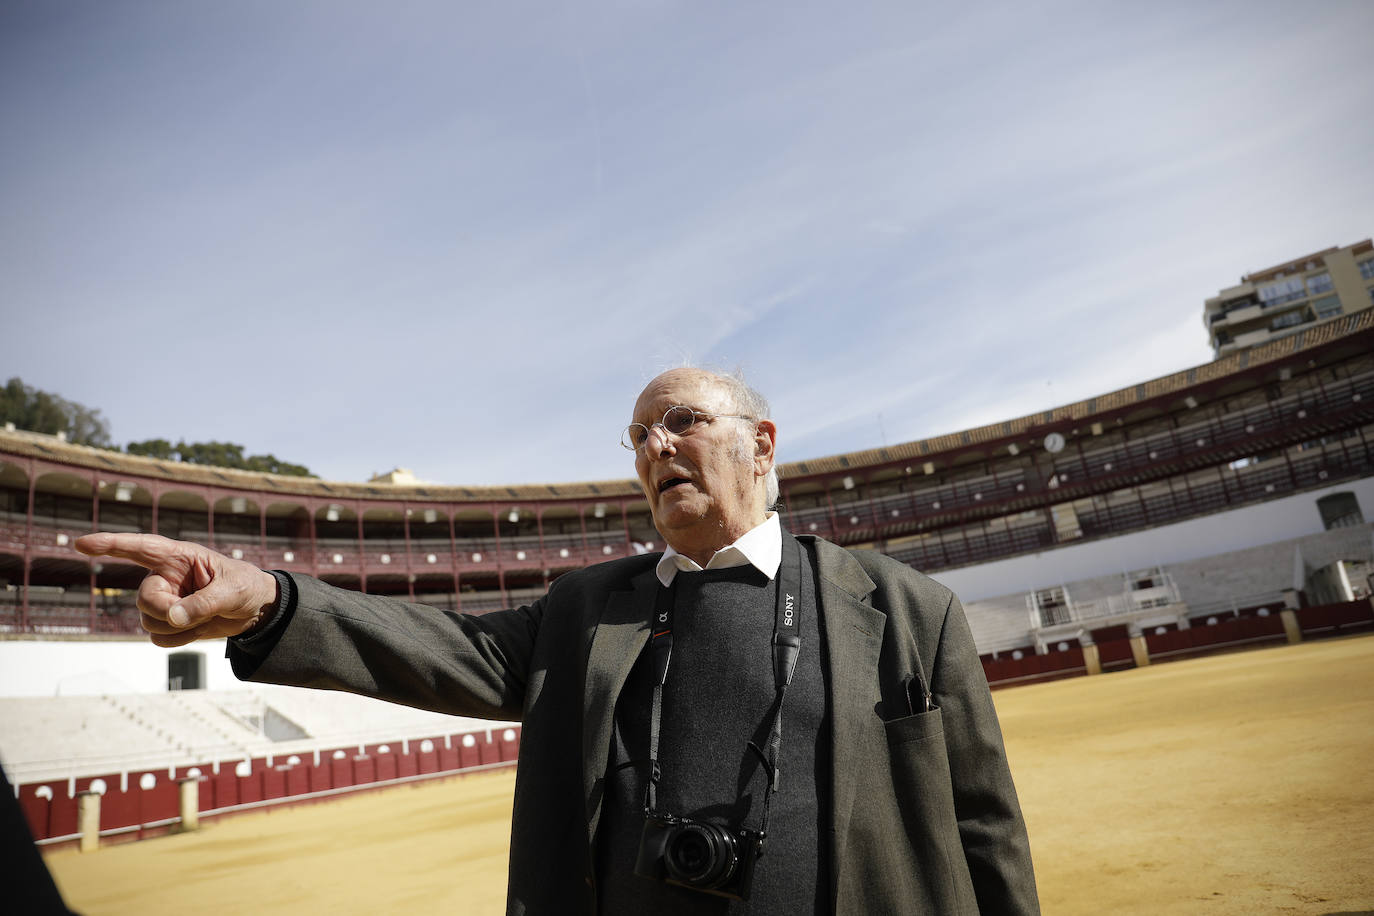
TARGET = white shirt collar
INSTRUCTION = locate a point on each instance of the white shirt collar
(760, 546)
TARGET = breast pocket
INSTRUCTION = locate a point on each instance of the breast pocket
(916, 727)
(925, 795)
(920, 770)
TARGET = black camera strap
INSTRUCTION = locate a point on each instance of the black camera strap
(786, 646)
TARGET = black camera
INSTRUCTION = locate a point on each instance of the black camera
(699, 855)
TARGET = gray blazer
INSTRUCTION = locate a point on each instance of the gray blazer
(924, 815)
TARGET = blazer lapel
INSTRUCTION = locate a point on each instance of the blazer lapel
(854, 637)
(620, 636)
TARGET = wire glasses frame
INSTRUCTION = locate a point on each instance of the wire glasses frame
(676, 420)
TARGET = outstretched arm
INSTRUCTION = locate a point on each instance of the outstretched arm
(336, 639)
(191, 592)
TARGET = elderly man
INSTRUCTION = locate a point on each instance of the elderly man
(750, 722)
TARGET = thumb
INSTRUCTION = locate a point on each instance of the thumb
(214, 600)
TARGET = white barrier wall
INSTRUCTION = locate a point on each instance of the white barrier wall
(1250, 526)
(48, 668)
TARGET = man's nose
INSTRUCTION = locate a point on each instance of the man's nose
(659, 442)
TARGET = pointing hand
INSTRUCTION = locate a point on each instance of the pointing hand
(190, 592)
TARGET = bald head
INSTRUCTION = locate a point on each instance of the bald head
(708, 484)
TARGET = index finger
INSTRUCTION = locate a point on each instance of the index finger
(147, 550)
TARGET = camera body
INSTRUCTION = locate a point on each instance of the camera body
(699, 855)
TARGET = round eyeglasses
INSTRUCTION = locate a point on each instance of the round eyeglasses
(676, 420)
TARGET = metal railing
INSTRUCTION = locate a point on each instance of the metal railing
(1273, 601)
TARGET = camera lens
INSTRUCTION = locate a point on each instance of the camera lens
(702, 855)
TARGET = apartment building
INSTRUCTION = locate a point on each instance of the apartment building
(1290, 297)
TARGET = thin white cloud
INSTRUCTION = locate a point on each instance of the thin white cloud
(461, 241)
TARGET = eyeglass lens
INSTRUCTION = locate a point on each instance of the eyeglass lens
(676, 421)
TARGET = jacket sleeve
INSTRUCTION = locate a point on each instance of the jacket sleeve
(991, 827)
(337, 639)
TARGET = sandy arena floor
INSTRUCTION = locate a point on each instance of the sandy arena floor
(1236, 784)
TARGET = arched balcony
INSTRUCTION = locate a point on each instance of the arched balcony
(1234, 432)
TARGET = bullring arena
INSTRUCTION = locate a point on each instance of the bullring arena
(1168, 586)
(1206, 786)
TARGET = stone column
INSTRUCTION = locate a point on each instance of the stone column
(1140, 651)
(88, 820)
(190, 802)
(1091, 659)
(1290, 626)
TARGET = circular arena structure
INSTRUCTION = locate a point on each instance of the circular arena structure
(1252, 429)
(1209, 509)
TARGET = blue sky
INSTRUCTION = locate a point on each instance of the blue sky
(460, 237)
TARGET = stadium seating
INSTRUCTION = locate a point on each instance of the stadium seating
(1291, 417)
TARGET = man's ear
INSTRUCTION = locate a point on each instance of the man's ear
(765, 447)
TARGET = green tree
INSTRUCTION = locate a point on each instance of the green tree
(37, 411)
(153, 448)
(44, 412)
(270, 464)
(215, 454)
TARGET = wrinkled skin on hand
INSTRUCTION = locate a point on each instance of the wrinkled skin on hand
(190, 592)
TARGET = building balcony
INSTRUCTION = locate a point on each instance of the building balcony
(1114, 610)
(1237, 316)
(1256, 337)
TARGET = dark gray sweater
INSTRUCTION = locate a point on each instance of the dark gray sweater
(719, 696)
